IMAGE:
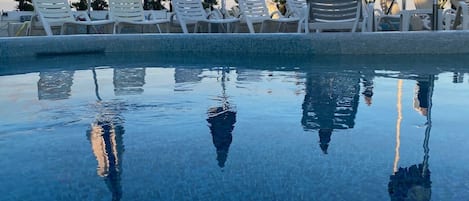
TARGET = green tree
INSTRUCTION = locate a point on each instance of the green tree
(96, 5)
(281, 6)
(152, 5)
(99, 5)
(209, 4)
(25, 5)
(81, 5)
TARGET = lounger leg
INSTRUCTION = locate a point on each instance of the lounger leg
(158, 28)
(195, 27)
(250, 27)
(62, 29)
(262, 28)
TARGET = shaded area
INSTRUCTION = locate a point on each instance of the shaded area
(416, 64)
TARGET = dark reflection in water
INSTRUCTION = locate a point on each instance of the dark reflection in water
(106, 137)
(55, 85)
(221, 123)
(330, 102)
(106, 133)
(128, 81)
(367, 81)
(221, 120)
(413, 183)
(458, 77)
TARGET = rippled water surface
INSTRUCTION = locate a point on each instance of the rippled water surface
(328, 129)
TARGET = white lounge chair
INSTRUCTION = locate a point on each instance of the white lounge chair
(57, 13)
(256, 12)
(298, 9)
(336, 15)
(412, 15)
(191, 12)
(460, 17)
(130, 13)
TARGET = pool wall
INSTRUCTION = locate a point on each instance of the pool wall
(441, 42)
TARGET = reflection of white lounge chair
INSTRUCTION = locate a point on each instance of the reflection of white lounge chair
(130, 13)
(337, 15)
(256, 12)
(57, 13)
(192, 12)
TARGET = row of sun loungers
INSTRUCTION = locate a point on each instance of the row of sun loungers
(253, 14)
(303, 16)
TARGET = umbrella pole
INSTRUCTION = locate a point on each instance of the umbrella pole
(223, 8)
(96, 86)
(89, 7)
(435, 15)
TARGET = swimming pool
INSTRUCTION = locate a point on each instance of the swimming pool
(149, 127)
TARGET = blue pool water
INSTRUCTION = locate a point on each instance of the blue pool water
(146, 127)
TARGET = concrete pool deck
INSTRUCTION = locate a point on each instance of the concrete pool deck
(371, 43)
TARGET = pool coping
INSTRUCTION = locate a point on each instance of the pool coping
(340, 43)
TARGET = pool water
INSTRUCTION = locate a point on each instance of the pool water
(307, 129)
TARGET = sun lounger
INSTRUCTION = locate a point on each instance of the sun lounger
(58, 14)
(129, 13)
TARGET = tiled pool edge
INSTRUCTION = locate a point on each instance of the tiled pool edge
(442, 42)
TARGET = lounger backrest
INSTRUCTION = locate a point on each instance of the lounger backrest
(126, 10)
(254, 9)
(334, 10)
(189, 10)
(53, 12)
(296, 8)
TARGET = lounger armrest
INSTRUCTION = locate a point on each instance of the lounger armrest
(81, 16)
(278, 13)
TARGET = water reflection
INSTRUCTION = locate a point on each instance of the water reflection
(330, 102)
(182, 75)
(367, 81)
(221, 120)
(421, 95)
(55, 85)
(458, 77)
(413, 183)
(128, 81)
(106, 138)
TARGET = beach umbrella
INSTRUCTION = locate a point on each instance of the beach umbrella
(414, 183)
(221, 121)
